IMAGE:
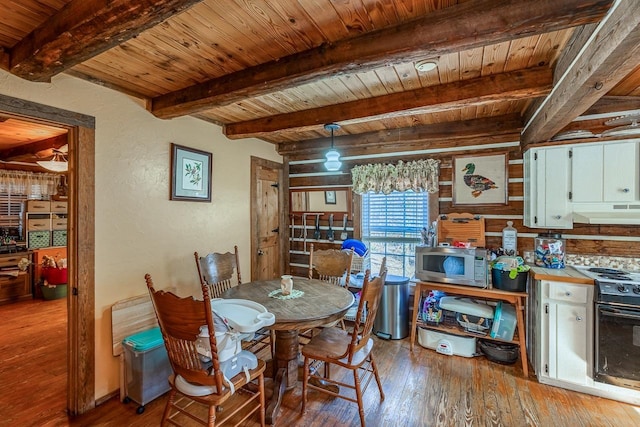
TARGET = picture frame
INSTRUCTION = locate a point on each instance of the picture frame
(330, 197)
(190, 174)
(480, 179)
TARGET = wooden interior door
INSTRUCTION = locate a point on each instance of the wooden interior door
(267, 229)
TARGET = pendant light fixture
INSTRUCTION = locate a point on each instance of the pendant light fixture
(58, 163)
(333, 157)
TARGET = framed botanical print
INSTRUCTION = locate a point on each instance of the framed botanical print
(190, 174)
(480, 179)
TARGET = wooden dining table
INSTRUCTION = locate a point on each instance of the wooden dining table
(320, 304)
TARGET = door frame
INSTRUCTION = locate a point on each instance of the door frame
(283, 208)
(80, 243)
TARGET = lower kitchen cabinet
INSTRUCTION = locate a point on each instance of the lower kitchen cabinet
(564, 333)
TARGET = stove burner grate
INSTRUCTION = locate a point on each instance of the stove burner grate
(610, 271)
(618, 277)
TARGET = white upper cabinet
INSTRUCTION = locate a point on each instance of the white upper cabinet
(546, 181)
(592, 183)
(604, 172)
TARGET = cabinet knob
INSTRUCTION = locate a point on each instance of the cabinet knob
(579, 319)
(568, 293)
(557, 216)
(625, 190)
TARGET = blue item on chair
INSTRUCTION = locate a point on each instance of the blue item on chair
(358, 247)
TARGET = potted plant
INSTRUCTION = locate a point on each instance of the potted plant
(54, 278)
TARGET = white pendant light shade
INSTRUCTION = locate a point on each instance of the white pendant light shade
(333, 157)
(57, 164)
(333, 162)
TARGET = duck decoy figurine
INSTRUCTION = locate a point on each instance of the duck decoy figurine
(477, 183)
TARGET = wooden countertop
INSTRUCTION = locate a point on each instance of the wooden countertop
(567, 274)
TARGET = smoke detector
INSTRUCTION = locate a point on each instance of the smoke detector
(426, 65)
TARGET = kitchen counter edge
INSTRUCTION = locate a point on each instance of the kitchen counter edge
(567, 274)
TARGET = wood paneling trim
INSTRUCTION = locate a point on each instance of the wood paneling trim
(81, 247)
(27, 110)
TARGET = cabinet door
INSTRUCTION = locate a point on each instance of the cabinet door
(556, 211)
(568, 358)
(587, 173)
(547, 188)
(620, 172)
(604, 172)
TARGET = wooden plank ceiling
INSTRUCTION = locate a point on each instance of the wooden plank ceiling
(279, 69)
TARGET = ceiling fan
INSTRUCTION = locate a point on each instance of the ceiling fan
(58, 162)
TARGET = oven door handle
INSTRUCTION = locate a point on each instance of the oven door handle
(618, 312)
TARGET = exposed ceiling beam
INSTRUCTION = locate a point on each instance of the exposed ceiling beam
(510, 124)
(26, 152)
(82, 30)
(464, 26)
(613, 104)
(514, 85)
(608, 56)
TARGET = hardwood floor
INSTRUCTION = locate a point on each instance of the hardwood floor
(422, 388)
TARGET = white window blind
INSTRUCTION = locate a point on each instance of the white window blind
(11, 209)
(391, 225)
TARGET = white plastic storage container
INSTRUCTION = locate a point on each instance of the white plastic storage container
(147, 367)
(447, 343)
(504, 322)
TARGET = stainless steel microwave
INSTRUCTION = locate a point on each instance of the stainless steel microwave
(457, 266)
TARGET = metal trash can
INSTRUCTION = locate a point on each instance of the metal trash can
(392, 319)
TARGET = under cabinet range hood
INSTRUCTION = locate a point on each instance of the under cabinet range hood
(617, 215)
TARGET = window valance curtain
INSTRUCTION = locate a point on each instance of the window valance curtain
(28, 183)
(420, 175)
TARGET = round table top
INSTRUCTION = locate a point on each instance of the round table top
(321, 303)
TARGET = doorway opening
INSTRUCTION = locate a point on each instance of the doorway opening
(80, 241)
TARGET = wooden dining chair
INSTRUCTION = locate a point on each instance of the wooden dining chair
(221, 271)
(351, 350)
(196, 378)
(330, 265)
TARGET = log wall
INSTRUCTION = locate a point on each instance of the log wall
(307, 171)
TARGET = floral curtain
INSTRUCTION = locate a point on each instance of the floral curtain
(421, 175)
(28, 183)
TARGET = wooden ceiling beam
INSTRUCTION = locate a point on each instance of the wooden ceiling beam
(592, 69)
(509, 124)
(27, 152)
(614, 104)
(82, 30)
(452, 29)
(510, 86)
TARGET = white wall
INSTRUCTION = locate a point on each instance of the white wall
(138, 229)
